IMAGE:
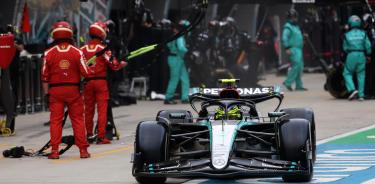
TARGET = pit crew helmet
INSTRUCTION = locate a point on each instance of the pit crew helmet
(62, 30)
(292, 13)
(98, 30)
(354, 21)
(368, 19)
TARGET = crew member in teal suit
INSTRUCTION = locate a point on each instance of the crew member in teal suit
(177, 68)
(292, 40)
(356, 45)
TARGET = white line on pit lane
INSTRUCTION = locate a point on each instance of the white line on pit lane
(344, 135)
(371, 181)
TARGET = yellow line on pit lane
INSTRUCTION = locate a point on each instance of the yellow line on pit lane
(4, 145)
(93, 155)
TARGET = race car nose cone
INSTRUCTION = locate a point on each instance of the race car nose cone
(222, 142)
(219, 162)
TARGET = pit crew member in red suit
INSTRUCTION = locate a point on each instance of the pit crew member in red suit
(96, 88)
(63, 66)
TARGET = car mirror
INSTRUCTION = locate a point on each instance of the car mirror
(177, 115)
(276, 114)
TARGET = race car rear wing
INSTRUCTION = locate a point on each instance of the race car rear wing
(255, 95)
(245, 93)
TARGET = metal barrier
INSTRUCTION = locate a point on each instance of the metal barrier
(30, 93)
(30, 96)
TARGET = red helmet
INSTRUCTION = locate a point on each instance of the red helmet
(62, 30)
(98, 29)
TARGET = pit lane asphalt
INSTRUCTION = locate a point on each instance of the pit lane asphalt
(111, 163)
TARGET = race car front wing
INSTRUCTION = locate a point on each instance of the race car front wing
(237, 167)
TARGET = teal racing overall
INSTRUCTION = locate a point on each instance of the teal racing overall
(177, 69)
(357, 45)
(292, 39)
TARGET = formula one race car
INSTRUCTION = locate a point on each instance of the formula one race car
(229, 138)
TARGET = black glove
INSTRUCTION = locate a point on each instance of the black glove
(16, 152)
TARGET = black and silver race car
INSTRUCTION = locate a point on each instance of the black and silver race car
(229, 138)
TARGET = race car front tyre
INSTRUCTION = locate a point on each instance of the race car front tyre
(296, 147)
(308, 114)
(150, 147)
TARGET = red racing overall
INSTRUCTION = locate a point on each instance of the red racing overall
(62, 69)
(96, 88)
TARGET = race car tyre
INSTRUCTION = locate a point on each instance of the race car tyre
(335, 83)
(151, 147)
(175, 116)
(308, 114)
(295, 140)
(149, 180)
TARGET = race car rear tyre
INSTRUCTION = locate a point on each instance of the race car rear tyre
(151, 143)
(308, 114)
(295, 141)
(175, 116)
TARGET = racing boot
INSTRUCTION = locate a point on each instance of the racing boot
(90, 138)
(353, 95)
(84, 153)
(289, 88)
(54, 154)
(103, 141)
